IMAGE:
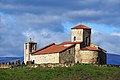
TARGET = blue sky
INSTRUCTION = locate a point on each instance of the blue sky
(49, 21)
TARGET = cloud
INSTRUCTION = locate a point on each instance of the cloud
(73, 11)
(86, 13)
(116, 34)
(107, 41)
(45, 36)
(50, 21)
(37, 19)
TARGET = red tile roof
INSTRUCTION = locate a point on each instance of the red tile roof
(80, 27)
(52, 48)
(69, 42)
(90, 48)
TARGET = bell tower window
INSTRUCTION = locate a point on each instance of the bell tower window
(74, 38)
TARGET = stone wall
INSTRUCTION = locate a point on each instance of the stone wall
(77, 49)
(67, 56)
(51, 65)
(67, 44)
(5, 66)
(78, 33)
(86, 56)
(45, 58)
(94, 45)
(101, 53)
(26, 52)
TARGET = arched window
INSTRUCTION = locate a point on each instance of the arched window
(74, 38)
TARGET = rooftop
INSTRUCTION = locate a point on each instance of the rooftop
(80, 27)
(69, 42)
(52, 48)
(90, 48)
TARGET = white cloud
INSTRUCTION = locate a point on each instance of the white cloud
(85, 13)
(9, 6)
(116, 34)
(107, 41)
(35, 19)
(44, 37)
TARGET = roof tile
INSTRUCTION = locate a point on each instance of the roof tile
(80, 27)
(51, 49)
(90, 48)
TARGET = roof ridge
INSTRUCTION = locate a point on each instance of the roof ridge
(81, 26)
(45, 47)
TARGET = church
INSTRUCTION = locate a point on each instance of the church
(78, 50)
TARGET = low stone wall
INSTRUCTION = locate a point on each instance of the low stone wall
(10, 64)
(50, 65)
(102, 65)
(107, 65)
(5, 66)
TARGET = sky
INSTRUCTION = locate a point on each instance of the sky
(47, 21)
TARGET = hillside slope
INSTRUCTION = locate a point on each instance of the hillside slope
(77, 72)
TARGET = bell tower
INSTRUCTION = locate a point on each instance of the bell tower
(81, 33)
(29, 47)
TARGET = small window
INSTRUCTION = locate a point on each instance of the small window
(74, 38)
(26, 46)
(69, 51)
(33, 62)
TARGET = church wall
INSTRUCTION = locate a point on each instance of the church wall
(78, 33)
(26, 52)
(67, 56)
(77, 49)
(67, 44)
(86, 56)
(45, 58)
(94, 45)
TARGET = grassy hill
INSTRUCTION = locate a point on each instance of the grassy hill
(77, 72)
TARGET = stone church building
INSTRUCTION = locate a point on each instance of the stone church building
(78, 50)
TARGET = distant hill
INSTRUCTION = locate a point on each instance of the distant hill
(10, 59)
(113, 59)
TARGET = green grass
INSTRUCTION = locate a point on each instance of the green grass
(77, 72)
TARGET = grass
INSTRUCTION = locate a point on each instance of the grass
(77, 72)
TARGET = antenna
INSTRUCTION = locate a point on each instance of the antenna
(30, 39)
